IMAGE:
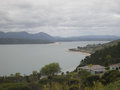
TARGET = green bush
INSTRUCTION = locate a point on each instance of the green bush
(110, 76)
(112, 86)
(60, 79)
(43, 81)
(73, 81)
(14, 86)
(90, 80)
(74, 87)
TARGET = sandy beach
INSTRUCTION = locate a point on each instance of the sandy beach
(84, 53)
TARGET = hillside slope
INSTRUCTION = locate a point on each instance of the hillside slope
(25, 38)
(105, 57)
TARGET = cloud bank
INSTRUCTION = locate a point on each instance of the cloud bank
(61, 17)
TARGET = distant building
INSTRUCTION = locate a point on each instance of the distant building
(93, 69)
(115, 67)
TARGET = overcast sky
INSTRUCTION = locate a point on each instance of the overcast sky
(61, 17)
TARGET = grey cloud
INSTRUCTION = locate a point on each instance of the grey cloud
(61, 17)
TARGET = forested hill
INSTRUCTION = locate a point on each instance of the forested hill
(105, 57)
(25, 38)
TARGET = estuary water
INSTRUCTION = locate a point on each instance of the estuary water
(24, 58)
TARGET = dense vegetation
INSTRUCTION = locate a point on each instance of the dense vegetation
(48, 79)
(69, 81)
(112, 86)
(14, 86)
(105, 57)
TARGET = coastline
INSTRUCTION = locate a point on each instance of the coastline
(84, 53)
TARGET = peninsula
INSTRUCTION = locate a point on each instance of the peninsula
(91, 48)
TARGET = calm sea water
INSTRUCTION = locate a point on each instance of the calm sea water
(29, 57)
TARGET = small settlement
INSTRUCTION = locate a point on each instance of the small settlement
(115, 67)
(98, 69)
(93, 69)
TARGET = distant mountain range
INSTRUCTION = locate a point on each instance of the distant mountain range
(90, 38)
(25, 38)
(43, 38)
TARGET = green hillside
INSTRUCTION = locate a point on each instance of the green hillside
(108, 55)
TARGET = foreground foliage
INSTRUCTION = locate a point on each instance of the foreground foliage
(14, 86)
(83, 80)
(112, 86)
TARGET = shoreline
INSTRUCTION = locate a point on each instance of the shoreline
(85, 53)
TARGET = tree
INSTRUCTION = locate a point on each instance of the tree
(110, 76)
(17, 75)
(108, 57)
(90, 80)
(50, 69)
(34, 76)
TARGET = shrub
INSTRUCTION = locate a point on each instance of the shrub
(110, 76)
(14, 86)
(74, 87)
